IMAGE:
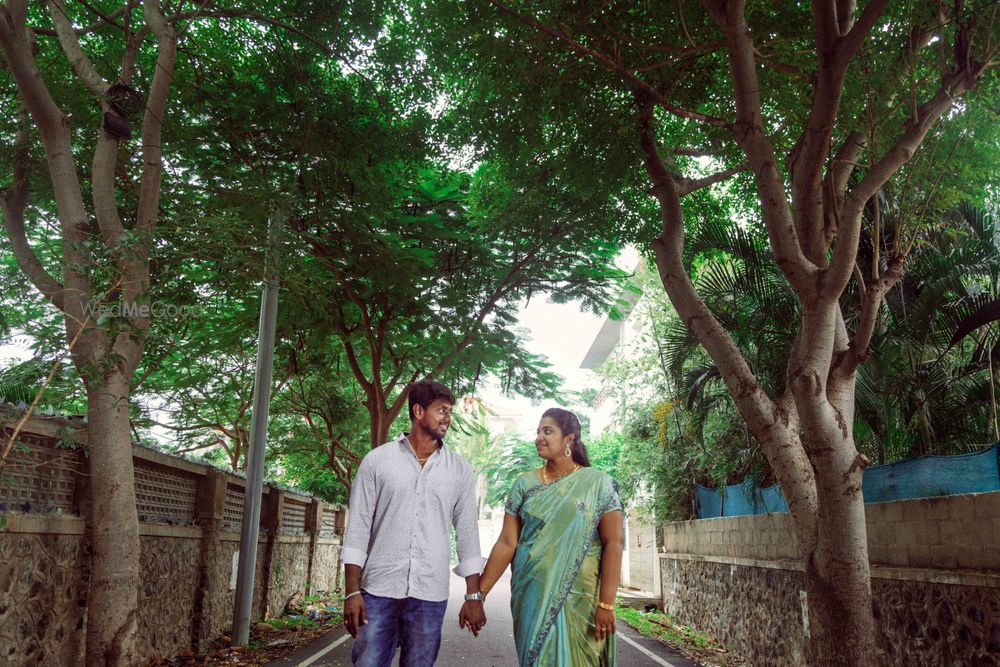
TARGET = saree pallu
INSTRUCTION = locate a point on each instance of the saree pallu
(556, 569)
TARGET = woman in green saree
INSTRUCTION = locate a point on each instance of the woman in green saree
(563, 536)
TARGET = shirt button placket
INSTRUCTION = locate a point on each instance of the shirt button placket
(414, 543)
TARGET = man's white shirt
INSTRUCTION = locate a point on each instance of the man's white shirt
(400, 520)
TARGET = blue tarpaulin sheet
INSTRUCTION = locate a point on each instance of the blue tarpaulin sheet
(708, 502)
(921, 477)
(739, 500)
(928, 476)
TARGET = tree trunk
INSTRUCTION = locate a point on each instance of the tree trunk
(838, 584)
(381, 418)
(114, 585)
(379, 423)
(841, 626)
(838, 575)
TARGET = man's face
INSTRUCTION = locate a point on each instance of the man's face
(435, 418)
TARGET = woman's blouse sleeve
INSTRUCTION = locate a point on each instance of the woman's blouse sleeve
(610, 500)
(514, 498)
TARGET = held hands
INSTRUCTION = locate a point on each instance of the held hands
(604, 622)
(354, 614)
(472, 616)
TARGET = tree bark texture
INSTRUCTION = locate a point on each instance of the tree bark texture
(112, 611)
(106, 361)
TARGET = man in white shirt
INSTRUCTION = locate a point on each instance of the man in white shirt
(406, 497)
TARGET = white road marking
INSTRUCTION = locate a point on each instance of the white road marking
(316, 656)
(652, 656)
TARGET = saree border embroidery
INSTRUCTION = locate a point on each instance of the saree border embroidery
(567, 584)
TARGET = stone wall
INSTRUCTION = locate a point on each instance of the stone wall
(190, 517)
(753, 609)
(289, 571)
(923, 623)
(168, 583)
(935, 582)
(218, 593)
(42, 597)
(326, 564)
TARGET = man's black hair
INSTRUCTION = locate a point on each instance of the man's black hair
(425, 392)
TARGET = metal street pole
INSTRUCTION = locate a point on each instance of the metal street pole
(258, 438)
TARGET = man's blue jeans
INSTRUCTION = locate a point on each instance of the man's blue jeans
(414, 625)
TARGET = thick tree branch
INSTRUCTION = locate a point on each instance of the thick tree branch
(795, 473)
(871, 301)
(106, 161)
(858, 33)
(14, 204)
(845, 15)
(70, 44)
(152, 119)
(824, 18)
(130, 342)
(106, 158)
(105, 206)
(106, 19)
(686, 186)
(400, 364)
(53, 126)
(354, 363)
(773, 424)
(747, 393)
(374, 348)
(845, 252)
(400, 401)
(835, 54)
(835, 184)
(749, 134)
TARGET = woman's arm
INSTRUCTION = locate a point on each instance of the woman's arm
(502, 553)
(612, 532)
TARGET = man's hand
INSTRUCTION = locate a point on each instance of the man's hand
(472, 616)
(354, 614)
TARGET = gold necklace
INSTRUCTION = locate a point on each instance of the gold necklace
(545, 476)
(422, 461)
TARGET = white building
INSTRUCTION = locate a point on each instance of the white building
(613, 338)
(640, 561)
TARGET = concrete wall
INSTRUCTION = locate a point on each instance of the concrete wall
(642, 554)
(941, 532)
(185, 571)
(935, 581)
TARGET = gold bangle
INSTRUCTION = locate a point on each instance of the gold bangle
(605, 605)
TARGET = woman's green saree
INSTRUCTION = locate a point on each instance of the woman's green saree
(556, 568)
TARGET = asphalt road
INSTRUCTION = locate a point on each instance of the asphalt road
(493, 648)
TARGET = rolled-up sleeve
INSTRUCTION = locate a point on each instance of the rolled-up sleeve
(359, 518)
(466, 521)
